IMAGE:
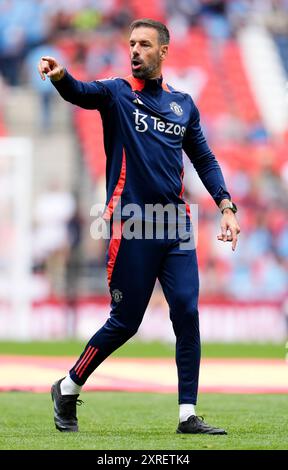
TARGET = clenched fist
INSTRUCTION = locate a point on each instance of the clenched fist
(50, 67)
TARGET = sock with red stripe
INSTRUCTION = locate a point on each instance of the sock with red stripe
(69, 387)
(84, 365)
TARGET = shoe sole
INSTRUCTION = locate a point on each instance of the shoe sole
(210, 433)
(72, 428)
(65, 429)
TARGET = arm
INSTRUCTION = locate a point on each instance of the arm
(209, 171)
(88, 95)
(203, 160)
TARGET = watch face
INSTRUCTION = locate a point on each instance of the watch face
(231, 206)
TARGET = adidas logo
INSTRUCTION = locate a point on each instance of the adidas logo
(137, 101)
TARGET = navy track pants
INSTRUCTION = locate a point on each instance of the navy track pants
(133, 267)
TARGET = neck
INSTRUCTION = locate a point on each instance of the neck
(153, 76)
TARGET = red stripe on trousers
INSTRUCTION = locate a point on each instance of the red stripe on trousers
(83, 358)
(79, 368)
(113, 249)
(86, 364)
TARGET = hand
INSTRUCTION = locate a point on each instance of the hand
(229, 224)
(50, 67)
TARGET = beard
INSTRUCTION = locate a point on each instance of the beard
(146, 71)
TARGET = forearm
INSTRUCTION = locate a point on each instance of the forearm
(76, 92)
(211, 176)
(69, 88)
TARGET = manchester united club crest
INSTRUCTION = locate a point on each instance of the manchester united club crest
(176, 108)
(117, 295)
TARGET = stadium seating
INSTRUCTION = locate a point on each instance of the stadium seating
(217, 98)
(225, 95)
(253, 161)
(237, 82)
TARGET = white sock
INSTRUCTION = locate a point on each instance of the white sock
(68, 387)
(185, 411)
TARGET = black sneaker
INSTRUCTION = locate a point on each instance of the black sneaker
(197, 425)
(64, 409)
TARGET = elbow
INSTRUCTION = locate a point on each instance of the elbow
(77, 102)
(206, 165)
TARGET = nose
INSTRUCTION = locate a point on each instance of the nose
(135, 50)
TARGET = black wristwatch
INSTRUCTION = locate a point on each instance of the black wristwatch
(230, 205)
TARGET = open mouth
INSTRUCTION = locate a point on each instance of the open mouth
(136, 64)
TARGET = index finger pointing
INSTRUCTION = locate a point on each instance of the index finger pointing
(48, 57)
(41, 72)
(234, 239)
(51, 60)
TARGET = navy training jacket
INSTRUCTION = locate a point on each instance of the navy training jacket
(146, 125)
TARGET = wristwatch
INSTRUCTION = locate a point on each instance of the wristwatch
(230, 205)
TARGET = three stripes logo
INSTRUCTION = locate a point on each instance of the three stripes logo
(84, 362)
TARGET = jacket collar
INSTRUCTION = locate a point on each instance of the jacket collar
(138, 84)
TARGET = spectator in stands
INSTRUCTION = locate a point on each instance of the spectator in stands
(106, 55)
(214, 19)
(23, 25)
(282, 243)
(260, 189)
(54, 211)
(46, 92)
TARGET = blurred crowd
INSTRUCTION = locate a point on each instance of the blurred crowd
(90, 36)
(98, 28)
(258, 270)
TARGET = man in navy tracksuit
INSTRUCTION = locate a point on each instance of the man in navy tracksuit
(146, 124)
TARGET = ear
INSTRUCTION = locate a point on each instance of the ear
(163, 51)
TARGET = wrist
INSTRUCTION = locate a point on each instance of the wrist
(227, 211)
(226, 206)
(223, 203)
(58, 76)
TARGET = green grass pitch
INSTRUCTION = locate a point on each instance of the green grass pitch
(144, 421)
(145, 349)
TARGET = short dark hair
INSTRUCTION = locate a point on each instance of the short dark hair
(163, 33)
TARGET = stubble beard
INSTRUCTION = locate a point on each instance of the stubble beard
(146, 72)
